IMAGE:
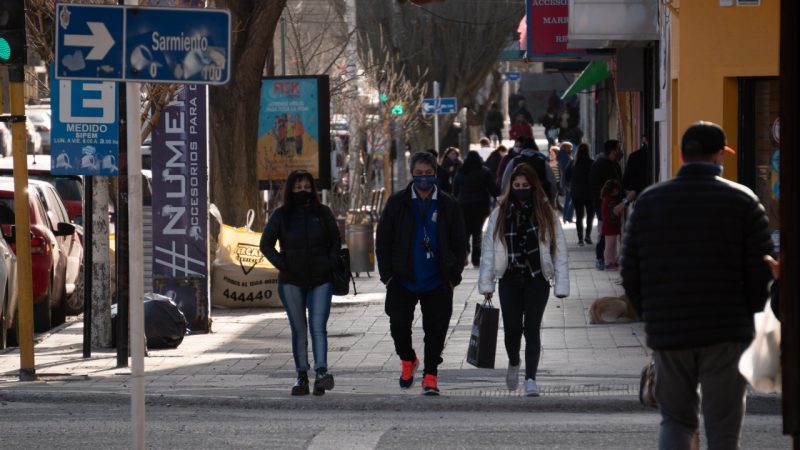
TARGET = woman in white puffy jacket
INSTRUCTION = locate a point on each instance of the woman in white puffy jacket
(524, 247)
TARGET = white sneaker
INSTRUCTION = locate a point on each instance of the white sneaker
(512, 377)
(531, 389)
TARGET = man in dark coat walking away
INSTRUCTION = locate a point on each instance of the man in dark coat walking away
(637, 176)
(474, 189)
(493, 126)
(693, 266)
(421, 246)
(604, 168)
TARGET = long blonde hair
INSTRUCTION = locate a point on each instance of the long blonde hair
(542, 211)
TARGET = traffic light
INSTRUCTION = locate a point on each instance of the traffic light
(398, 109)
(12, 32)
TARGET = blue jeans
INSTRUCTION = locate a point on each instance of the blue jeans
(568, 207)
(318, 300)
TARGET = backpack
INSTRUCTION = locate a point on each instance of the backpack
(538, 164)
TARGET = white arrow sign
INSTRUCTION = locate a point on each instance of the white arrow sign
(428, 108)
(100, 40)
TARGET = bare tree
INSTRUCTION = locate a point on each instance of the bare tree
(453, 42)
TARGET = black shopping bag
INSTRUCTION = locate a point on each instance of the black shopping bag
(483, 339)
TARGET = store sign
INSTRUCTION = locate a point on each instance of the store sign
(548, 27)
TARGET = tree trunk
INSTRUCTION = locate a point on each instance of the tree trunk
(235, 108)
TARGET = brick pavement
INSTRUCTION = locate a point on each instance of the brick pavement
(250, 350)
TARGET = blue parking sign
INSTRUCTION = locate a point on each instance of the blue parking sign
(85, 131)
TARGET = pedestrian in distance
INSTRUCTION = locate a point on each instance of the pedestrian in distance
(577, 175)
(485, 149)
(493, 161)
(604, 168)
(611, 210)
(493, 125)
(449, 163)
(693, 267)
(525, 248)
(520, 128)
(564, 159)
(309, 245)
(513, 152)
(421, 245)
(474, 188)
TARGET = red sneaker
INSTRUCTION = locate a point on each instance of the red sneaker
(429, 385)
(407, 374)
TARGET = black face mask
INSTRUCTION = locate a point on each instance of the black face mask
(522, 195)
(301, 197)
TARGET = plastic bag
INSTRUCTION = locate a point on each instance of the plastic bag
(164, 323)
(760, 364)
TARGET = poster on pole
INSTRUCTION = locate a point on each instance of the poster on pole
(180, 204)
(294, 129)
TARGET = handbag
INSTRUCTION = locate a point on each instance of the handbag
(483, 338)
(647, 385)
(341, 277)
(760, 364)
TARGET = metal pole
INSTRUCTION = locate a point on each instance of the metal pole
(121, 231)
(88, 211)
(137, 267)
(436, 116)
(27, 370)
(283, 46)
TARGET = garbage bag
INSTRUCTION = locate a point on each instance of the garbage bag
(164, 323)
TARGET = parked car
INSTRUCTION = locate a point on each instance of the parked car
(42, 124)
(50, 244)
(69, 187)
(8, 293)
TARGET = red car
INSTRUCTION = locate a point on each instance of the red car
(50, 260)
(69, 187)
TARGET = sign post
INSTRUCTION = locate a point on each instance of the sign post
(132, 43)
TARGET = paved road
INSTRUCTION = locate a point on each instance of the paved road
(77, 425)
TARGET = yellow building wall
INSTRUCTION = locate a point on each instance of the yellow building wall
(711, 47)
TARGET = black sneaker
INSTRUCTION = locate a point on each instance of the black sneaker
(588, 240)
(323, 382)
(301, 385)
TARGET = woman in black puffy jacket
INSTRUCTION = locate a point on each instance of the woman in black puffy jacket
(309, 245)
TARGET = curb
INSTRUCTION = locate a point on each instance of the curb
(370, 402)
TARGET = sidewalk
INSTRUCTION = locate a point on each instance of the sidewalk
(248, 356)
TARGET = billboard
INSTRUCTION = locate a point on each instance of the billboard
(547, 24)
(294, 129)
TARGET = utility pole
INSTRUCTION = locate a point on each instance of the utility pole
(27, 370)
(436, 116)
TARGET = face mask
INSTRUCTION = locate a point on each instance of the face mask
(522, 195)
(424, 182)
(301, 197)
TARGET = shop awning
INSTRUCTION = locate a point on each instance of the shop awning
(594, 73)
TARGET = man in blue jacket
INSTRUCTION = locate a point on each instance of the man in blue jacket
(693, 266)
(421, 245)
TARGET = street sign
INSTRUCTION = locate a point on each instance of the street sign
(147, 44)
(511, 76)
(89, 41)
(447, 105)
(85, 135)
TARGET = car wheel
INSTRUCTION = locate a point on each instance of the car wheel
(42, 314)
(74, 305)
(59, 313)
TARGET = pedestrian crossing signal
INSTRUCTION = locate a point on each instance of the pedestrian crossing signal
(398, 109)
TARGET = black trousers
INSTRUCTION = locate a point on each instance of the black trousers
(523, 299)
(437, 307)
(474, 216)
(583, 207)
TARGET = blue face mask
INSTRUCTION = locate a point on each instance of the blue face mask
(424, 182)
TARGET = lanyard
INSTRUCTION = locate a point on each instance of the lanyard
(422, 209)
